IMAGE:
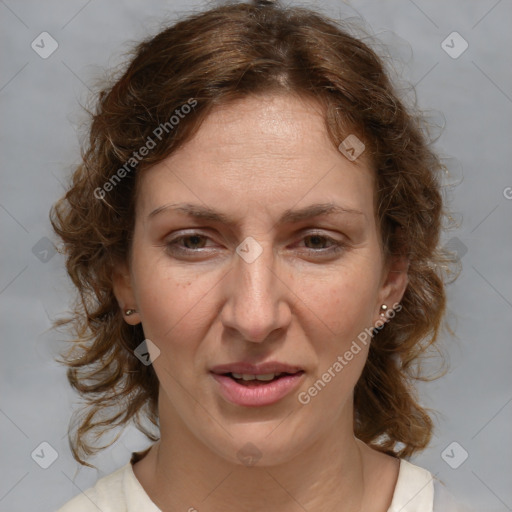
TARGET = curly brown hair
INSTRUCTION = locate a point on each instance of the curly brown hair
(212, 58)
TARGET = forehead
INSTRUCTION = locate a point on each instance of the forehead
(263, 152)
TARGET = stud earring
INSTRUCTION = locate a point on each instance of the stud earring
(383, 310)
(129, 312)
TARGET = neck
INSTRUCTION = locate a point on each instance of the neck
(182, 473)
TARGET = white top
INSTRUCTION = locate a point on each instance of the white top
(416, 490)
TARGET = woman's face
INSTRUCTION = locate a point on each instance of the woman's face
(254, 282)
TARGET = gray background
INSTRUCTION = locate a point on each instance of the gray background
(40, 115)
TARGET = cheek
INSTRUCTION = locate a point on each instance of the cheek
(171, 302)
(346, 308)
(344, 302)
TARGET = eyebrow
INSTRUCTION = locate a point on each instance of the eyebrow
(289, 216)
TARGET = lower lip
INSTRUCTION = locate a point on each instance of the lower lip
(259, 395)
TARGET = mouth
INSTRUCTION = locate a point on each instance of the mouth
(256, 390)
(251, 380)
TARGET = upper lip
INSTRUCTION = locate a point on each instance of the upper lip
(255, 369)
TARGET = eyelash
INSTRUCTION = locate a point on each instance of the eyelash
(336, 245)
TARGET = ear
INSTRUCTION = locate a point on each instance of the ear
(123, 290)
(394, 283)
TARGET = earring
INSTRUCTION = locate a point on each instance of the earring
(383, 309)
(129, 312)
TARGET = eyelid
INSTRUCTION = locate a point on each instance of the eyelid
(334, 247)
(335, 244)
(176, 239)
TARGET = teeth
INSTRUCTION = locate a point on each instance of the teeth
(264, 377)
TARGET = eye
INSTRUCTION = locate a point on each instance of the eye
(317, 239)
(190, 241)
(196, 243)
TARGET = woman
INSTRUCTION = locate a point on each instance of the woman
(253, 233)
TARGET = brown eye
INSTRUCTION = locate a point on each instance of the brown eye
(323, 244)
(317, 240)
(193, 240)
(187, 243)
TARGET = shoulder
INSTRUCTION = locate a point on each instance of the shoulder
(119, 491)
(444, 500)
(414, 489)
(107, 492)
(417, 490)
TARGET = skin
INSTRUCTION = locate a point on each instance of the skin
(251, 160)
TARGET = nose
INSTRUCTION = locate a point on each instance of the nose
(256, 305)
